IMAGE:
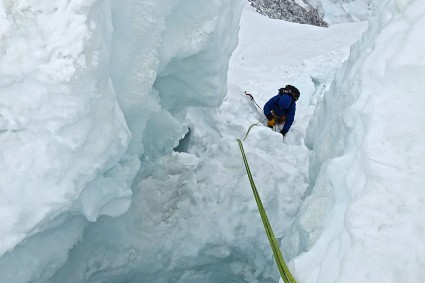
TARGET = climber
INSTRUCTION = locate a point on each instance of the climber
(281, 108)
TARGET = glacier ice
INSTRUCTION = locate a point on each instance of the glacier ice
(90, 92)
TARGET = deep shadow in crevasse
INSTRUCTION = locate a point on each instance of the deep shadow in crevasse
(183, 143)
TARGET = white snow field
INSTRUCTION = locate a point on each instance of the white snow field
(94, 96)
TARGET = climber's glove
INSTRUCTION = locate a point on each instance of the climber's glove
(271, 123)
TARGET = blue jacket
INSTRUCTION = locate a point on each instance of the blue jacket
(282, 105)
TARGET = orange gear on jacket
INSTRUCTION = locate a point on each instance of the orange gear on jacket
(271, 123)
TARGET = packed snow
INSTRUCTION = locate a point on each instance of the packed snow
(340, 11)
(367, 162)
(94, 96)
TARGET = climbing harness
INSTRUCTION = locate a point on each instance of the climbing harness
(280, 262)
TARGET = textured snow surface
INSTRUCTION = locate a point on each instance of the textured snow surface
(367, 163)
(87, 96)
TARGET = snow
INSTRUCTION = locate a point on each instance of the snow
(88, 95)
(57, 131)
(94, 96)
(340, 11)
(193, 213)
(368, 151)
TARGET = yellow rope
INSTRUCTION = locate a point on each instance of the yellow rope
(280, 262)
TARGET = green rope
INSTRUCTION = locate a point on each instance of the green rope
(280, 262)
(249, 129)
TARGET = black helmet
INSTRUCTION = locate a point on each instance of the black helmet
(293, 91)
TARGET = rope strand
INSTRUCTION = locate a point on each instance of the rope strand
(280, 262)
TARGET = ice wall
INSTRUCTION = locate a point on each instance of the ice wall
(90, 91)
(185, 46)
(167, 56)
(62, 132)
(363, 216)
